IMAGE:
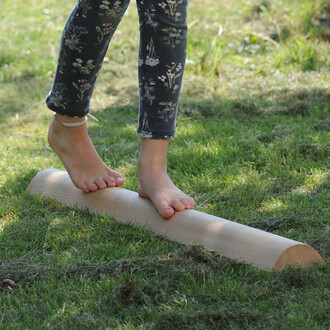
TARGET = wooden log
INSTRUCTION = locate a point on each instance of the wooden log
(253, 246)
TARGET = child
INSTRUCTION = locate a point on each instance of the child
(162, 53)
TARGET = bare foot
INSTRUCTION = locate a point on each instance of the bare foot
(77, 152)
(166, 197)
(155, 183)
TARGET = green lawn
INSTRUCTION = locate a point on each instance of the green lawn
(252, 146)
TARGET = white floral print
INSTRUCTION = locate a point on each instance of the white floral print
(174, 71)
(85, 6)
(103, 31)
(148, 90)
(152, 58)
(111, 12)
(82, 86)
(145, 124)
(57, 95)
(140, 61)
(84, 69)
(61, 62)
(168, 111)
(150, 14)
(73, 40)
(170, 8)
(173, 36)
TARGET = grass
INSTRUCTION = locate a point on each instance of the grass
(252, 146)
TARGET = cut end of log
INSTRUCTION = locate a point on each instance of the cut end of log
(300, 255)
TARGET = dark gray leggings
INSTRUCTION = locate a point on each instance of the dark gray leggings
(162, 53)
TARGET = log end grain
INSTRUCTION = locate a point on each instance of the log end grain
(299, 255)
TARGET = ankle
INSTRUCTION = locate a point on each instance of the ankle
(77, 134)
(151, 166)
(70, 120)
(153, 155)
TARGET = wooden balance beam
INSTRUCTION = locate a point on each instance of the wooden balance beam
(253, 246)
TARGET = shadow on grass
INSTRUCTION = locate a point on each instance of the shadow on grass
(285, 101)
(22, 93)
(25, 217)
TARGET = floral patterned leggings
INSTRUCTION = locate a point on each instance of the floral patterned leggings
(162, 53)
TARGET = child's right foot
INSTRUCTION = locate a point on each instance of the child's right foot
(77, 152)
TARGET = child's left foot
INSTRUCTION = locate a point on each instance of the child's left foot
(155, 184)
(167, 198)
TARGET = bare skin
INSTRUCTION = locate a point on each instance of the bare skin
(77, 152)
(155, 183)
(89, 173)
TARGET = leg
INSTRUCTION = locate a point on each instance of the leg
(162, 56)
(85, 40)
(163, 43)
(84, 43)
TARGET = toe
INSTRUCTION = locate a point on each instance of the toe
(111, 182)
(119, 181)
(80, 185)
(118, 178)
(92, 186)
(83, 187)
(188, 202)
(192, 201)
(178, 205)
(100, 183)
(165, 210)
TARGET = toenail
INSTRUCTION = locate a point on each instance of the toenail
(167, 211)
